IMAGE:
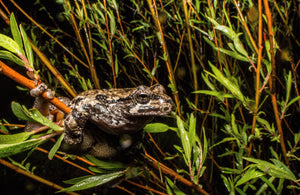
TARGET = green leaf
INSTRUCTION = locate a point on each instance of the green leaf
(192, 130)
(27, 46)
(174, 189)
(4, 54)
(226, 139)
(112, 22)
(282, 166)
(267, 182)
(156, 128)
(9, 44)
(32, 115)
(219, 94)
(232, 54)
(238, 45)
(15, 148)
(77, 179)
(227, 83)
(204, 148)
(234, 126)
(93, 181)
(273, 170)
(226, 30)
(184, 139)
(297, 137)
(292, 101)
(15, 32)
(105, 164)
(249, 174)
(14, 138)
(55, 147)
(20, 112)
(288, 87)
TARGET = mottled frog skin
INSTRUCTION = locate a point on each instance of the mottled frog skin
(116, 111)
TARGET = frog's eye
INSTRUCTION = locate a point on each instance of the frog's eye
(142, 98)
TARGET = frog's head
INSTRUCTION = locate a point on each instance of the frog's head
(150, 101)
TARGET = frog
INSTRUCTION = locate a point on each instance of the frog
(116, 113)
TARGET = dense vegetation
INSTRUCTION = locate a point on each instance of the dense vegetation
(230, 66)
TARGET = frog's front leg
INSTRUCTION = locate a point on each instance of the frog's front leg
(74, 126)
(41, 104)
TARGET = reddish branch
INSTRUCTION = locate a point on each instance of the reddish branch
(7, 71)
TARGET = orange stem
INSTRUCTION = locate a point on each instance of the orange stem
(173, 174)
(7, 71)
(272, 81)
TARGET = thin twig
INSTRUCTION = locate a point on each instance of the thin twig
(272, 81)
(35, 177)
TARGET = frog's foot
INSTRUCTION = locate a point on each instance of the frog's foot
(40, 89)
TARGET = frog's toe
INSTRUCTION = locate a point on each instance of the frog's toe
(40, 89)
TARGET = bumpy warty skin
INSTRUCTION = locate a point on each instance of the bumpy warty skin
(116, 111)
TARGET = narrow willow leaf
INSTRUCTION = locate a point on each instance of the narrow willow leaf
(226, 139)
(267, 182)
(272, 169)
(266, 124)
(105, 164)
(77, 179)
(239, 45)
(288, 87)
(218, 94)
(93, 181)
(226, 30)
(267, 46)
(184, 139)
(227, 83)
(156, 128)
(207, 82)
(192, 130)
(15, 32)
(33, 115)
(4, 54)
(19, 112)
(27, 46)
(297, 137)
(9, 44)
(174, 189)
(14, 138)
(209, 42)
(98, 170)
(234, 126)
(249, 174)
(233, 54)
(204, 148)
(112, 22)
(15, 148)
(38, 117)
(55, 147)
(282, 166)
(292, 101)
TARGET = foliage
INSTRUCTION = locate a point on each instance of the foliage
(232, 68)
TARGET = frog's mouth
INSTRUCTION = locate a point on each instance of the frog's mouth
(148, 110)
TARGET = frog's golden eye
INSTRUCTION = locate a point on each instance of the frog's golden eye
(142, 98)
